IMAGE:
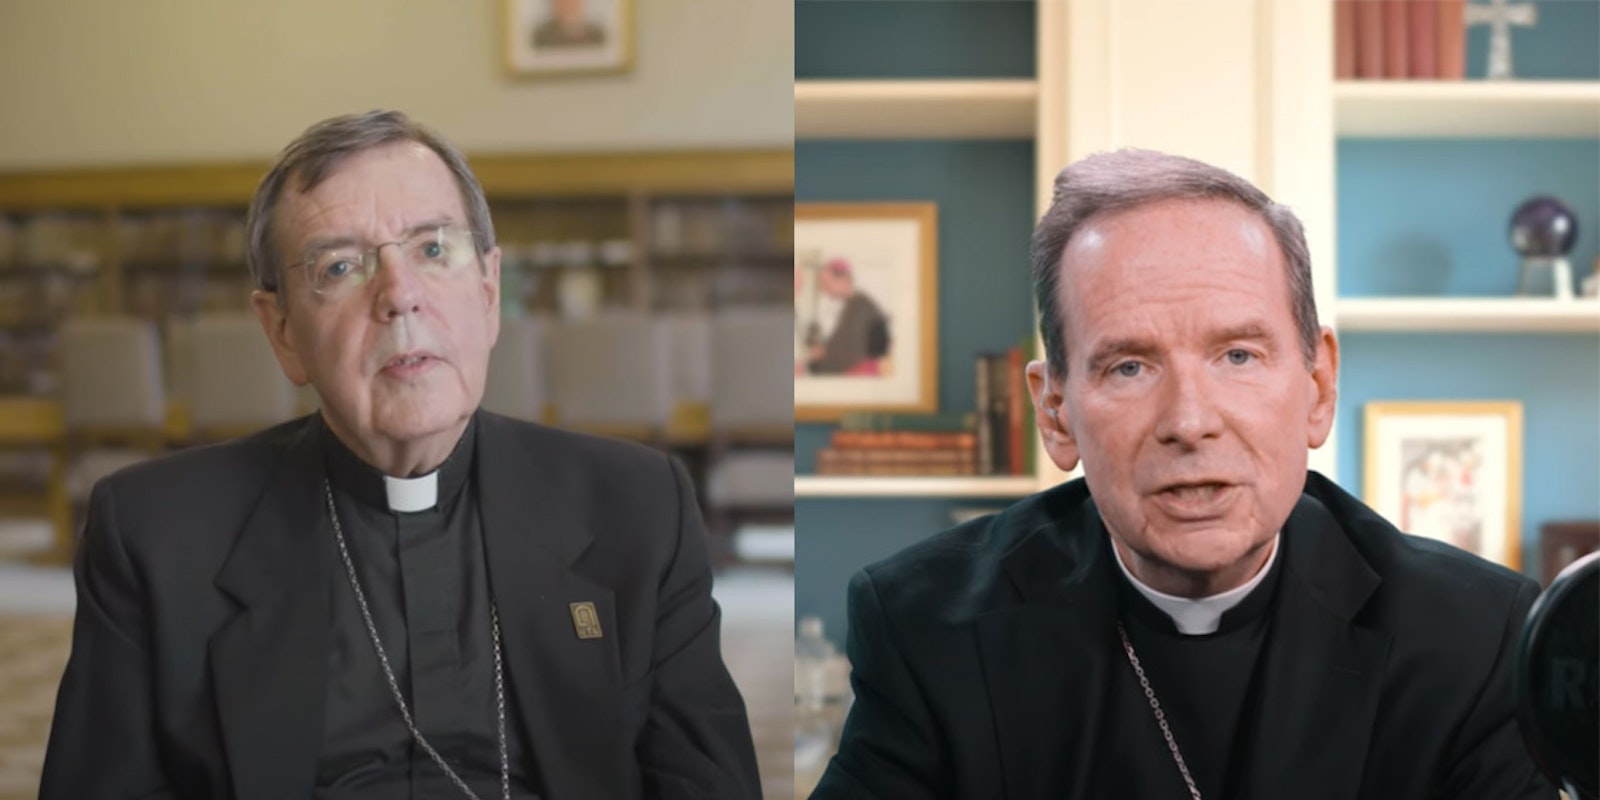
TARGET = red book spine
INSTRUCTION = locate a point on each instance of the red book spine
(1396, 40)
(1452, 40)
(1014, 413)
(1369, 39)
(1344, 39)
(1424, 30)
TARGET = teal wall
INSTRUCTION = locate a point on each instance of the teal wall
(913, 39)
(1430, 217)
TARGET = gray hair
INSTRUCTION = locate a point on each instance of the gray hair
(1107, 183)
(312, 157)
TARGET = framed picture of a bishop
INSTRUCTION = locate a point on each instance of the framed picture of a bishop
(865, 302)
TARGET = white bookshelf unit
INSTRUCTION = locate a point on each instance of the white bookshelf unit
(1460, 315)
(1468, 109)
(915, 109)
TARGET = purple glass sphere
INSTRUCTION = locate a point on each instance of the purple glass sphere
(1543, 227)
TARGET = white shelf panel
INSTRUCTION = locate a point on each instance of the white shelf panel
(1488, 314)
(915, 109)
(1468, 109)
(953, 487)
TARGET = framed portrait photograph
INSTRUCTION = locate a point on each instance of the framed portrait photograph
(552, 38)
(865, 301)
(1450, 471)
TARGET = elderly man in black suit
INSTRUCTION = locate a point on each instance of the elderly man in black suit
(401, 595)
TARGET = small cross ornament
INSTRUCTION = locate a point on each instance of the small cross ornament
(1500, 15)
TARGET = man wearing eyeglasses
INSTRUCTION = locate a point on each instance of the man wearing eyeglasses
(401, 595)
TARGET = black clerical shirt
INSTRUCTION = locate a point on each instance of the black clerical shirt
(1204, 684)
(427, 587)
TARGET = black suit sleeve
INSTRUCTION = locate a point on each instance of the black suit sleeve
(102, 739)
(696, 743)
(1491, 761)
(888, 749)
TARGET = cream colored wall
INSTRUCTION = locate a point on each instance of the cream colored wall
(89, 82)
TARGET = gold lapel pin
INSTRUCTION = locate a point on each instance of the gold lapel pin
(585, 621)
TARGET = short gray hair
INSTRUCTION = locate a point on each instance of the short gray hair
(311, 158)
(1107, 183)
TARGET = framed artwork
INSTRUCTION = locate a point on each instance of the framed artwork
(1450, 471)
(552, 38)
(865, 301)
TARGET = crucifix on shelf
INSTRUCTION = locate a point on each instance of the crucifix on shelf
(1500, 15)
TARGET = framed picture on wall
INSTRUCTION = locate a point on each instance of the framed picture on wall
(552, 38)
(1450, 471)
(865, 301)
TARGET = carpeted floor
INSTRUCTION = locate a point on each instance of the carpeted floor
(36, 627)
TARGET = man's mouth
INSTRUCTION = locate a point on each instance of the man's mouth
(408, 365)
(1194, 492)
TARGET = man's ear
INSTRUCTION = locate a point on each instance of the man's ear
(1324, 389)
(1050, 412)
(491, 290)
(275, 323)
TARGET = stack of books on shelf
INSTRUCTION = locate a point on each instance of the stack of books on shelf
(993, 439)
(1400, 39)
(902, 444)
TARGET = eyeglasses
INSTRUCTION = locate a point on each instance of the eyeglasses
(441, 252)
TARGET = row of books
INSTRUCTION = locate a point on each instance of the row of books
(1400, 39)
(993, 439)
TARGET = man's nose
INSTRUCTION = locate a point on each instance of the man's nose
(400, 287)
(1189, 412)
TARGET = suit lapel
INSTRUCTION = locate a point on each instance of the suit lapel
(269, 661)
(1321, 673)
(566, 688)
(1039, 656)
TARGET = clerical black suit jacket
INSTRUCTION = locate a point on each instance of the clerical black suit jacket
(979, 658)
(200, 650)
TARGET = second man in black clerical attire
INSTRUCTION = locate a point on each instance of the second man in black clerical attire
(1199, 616)
(400, 595)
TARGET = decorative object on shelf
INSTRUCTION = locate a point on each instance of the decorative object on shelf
(1543, 231)
(865, 304)
(1450, 471)
(553, 38)
(1591, 284)
(1500, 15)
(1561, 543)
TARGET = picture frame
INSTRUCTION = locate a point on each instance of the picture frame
(559, 38)
(1450, 471)
(866, 301)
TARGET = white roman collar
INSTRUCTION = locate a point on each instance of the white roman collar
(1192, 616)
(412, 494)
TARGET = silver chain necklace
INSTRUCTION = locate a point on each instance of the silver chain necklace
(394, 686)
(1155, 707)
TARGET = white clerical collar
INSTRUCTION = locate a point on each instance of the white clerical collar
(1192, 616)
(412, 494)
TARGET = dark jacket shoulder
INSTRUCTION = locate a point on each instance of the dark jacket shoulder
(962, 572)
